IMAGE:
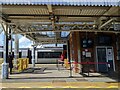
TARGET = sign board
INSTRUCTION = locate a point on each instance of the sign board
(109, 54)
(88, 54)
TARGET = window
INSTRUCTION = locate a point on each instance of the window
(87, 43)
(49, 54)
(106, 40)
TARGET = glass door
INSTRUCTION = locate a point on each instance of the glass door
(101, 58)
(105, 54)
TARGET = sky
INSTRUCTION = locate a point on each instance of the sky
(23, 41)
(59, 0)
(67, 2)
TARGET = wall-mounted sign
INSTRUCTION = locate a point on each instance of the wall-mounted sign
(83, 53)
(87, 43)
(109, 54)
(88, 54)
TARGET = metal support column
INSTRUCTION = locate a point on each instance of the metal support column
(5, 72)
(70, 70)
(68, 51)
(10, 38)
(16, 50)
(11, 42)
(33, 56)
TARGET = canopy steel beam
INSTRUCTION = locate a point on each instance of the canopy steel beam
(3, 27)
(85, 30)
(20, 31)
(50, 8)
(4, 17)
(106, 23)
(52, 42)
(64, 15)
(53, 19)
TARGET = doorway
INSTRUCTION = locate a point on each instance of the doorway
(105, 54)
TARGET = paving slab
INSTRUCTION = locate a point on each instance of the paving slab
(54, 79)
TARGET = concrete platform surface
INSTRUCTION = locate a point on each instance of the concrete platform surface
(53, 79)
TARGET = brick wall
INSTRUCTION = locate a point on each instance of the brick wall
(75, 43)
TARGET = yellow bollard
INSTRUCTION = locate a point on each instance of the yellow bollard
(67, 64)
(20, 65)
(27, 62)
(64, 62)
(24, 63)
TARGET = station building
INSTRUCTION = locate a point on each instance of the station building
(95, 48)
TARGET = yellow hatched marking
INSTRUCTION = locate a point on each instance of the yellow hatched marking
(69, 87)
(73, 87)
(58, 89)
(47, 87)
(92, 87)
(3, 87)
(24, 87)
(65, 87)
(112, 87)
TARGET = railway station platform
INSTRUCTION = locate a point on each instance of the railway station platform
(83, 34)
(47, 76)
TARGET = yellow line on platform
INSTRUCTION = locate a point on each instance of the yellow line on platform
(3, 87)
(92, 87)
(61, 85)
(25, 87)
(46, 87)
(112, 87)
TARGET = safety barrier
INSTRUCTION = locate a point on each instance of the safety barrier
(1, 60)
(22, 63)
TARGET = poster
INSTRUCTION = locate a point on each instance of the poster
(88, 54)
(109, 54)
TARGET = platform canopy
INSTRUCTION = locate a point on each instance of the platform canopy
(50, 21)
(64, 2)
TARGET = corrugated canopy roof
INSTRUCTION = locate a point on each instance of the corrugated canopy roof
(64, 2)
(50, 21)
